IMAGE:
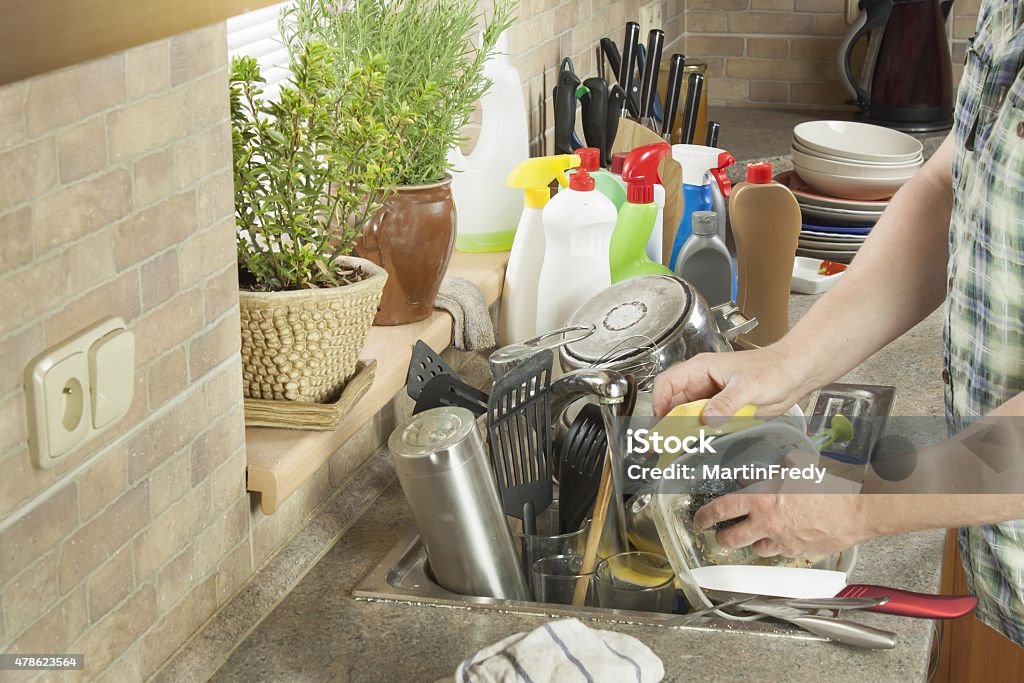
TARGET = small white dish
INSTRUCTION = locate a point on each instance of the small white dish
(858, 141)
(853, 169)
(849, 187)
(806, 279)
(782, 582)
(798, 146)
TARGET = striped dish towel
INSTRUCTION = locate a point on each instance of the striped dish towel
(564, 651)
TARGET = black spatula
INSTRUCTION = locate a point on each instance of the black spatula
(519, 427)
(448, 390)
(581, 454)
(425, 365)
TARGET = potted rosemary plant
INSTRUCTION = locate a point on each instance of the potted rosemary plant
(311, 168)
(433, 76)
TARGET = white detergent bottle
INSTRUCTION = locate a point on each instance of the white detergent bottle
(488, 209)
(518, 318)
(578, 226)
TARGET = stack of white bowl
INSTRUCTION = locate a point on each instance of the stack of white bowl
(853, 160)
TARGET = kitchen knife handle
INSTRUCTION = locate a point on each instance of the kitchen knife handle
(649, 82)
(565, 111)
(595, 116)
(629, 61)
(690, 111)
(616, 101)
(675, 84)
(713, 129)
(910, 604)
(611, 53)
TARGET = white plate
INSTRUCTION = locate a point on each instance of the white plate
(825, 254)
(806, 279)
(781, 582)
(808, 196)
(853, 169)
(855, 140)
(837, 247)
(831, 157)
(849, 187)
(832, 237)
(817, 215)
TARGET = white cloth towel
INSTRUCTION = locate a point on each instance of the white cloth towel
(563, 652)
(473, 329)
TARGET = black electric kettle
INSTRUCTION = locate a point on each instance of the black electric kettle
(906, 81)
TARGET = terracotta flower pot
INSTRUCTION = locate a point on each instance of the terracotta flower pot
(303, 345)
(412, 238)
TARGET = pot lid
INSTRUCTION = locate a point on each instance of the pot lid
(635, 312)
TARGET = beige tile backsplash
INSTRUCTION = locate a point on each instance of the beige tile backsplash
(782, 53)
(116, 200)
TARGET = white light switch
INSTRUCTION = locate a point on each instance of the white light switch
(77, 388)
(112, 373)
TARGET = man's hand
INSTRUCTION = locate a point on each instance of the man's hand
(771, 378)
(793, 525)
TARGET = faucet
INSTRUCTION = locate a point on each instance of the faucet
(609, 387)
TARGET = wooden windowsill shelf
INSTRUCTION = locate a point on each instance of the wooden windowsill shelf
(280, 460)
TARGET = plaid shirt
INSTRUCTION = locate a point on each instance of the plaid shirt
(984, 326)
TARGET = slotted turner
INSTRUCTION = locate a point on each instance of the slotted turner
(424, 366)
(448, 390)
(581, 453)
(519, 427)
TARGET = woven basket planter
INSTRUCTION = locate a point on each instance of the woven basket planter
(304, 345)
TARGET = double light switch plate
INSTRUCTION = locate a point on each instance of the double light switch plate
(78, 389)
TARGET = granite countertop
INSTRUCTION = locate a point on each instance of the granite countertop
(319, 632)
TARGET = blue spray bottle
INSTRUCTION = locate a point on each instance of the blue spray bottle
(705, 188)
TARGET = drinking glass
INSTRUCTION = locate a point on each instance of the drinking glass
(637, 580)
(548, 541)
(555, 579)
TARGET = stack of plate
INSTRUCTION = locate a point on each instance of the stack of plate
(844, 174)
(852, 160)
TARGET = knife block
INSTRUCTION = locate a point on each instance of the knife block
(632, 135)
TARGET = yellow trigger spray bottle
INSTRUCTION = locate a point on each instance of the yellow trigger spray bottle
(627, 255)
(518, 317)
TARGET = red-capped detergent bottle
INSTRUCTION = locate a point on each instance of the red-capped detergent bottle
(605, 182)
(578, 225)
(627, 254)
(766, 223)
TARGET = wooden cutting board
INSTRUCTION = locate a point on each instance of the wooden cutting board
(632, 135)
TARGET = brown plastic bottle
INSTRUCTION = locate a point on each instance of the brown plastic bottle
(766, 223)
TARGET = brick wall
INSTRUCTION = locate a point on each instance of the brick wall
(782, 53)
(116, 199)
(549, 30)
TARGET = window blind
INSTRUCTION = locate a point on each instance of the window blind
(254, 34)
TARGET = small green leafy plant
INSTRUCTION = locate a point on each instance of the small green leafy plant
(433, 75)
(311, 167)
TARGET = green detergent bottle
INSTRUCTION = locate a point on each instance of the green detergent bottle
(627, 253)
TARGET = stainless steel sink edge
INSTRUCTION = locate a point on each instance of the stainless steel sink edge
(399, 578)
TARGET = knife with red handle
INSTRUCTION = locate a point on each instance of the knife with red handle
(910, 604)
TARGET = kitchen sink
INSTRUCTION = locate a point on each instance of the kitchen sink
(403, 576)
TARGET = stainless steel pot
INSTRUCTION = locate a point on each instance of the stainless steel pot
(654, 320)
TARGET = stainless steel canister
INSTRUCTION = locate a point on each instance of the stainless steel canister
(442, 464)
